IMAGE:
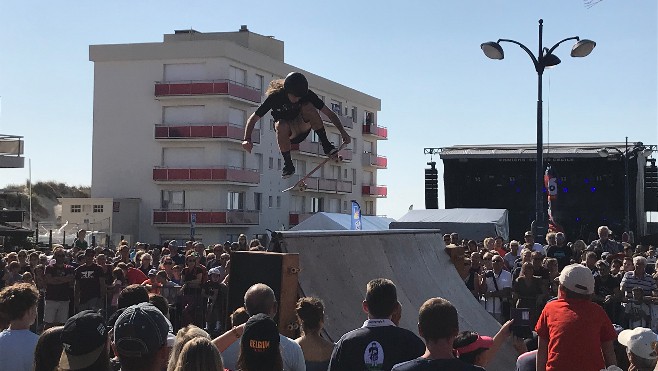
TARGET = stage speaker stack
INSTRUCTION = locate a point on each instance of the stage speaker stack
(651, 186)
(278, 271)
(431, 187)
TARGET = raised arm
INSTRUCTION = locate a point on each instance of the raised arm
(248, 129)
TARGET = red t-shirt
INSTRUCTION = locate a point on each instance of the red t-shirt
(575, 329)
(135, 276)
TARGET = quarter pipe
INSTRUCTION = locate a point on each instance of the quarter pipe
(337, 265)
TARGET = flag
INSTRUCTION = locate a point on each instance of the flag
(550, 182)
(356, 216)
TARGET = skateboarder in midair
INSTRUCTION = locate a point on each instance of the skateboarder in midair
(295, 110)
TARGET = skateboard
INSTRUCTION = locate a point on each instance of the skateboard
(301, 185)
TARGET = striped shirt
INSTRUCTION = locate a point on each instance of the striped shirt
(629, 281)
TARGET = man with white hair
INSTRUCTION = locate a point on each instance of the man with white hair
(604, 244)
(638, 278)
(640, 346)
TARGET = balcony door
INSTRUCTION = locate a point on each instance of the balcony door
(182, 115)
(237, 75)
(172, 200)
(237, 117)
(183, 157)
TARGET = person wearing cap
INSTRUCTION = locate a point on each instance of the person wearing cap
(18, 305)
(174, 253)
(606, 290)
(529, 239)
(85, 343)
(573, 330)
(640, 346)
(379, 344)
(438, 324)
(479, 350)
(259, 345)
(213, 289)
(141, 336)
(152, 284)
(259, 299)
(89, 286)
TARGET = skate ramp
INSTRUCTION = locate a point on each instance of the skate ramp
(337, 265)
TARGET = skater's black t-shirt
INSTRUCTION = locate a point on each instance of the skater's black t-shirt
(561, 254)
(382, 347)
(423, 364)
(283, 109)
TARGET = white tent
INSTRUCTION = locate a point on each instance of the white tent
(474, 224)
(335, 221)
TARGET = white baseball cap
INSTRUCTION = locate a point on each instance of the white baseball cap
(578, 279)
(641, 341)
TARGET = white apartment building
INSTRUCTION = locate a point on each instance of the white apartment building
(168, 122)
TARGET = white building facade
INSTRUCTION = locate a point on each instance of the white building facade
(168, 122)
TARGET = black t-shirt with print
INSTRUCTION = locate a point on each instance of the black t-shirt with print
(282, 108)
(423, 364)
(561, 253)
(89, 278)
(383, 347)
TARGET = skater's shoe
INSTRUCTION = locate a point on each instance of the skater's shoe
(330, 150)
(288, 171)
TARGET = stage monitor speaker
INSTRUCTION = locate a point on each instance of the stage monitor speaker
(278, 271)
(651, 186)
(431, 187)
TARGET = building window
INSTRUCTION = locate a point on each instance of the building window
(235, 201)
(353, 176)
(278, 164)
(345, 209)
(172, 200)
(271, 124)
(314, 137)
(370, 208)
(354, 114)
(278, 202)
(260, 83)
(76, 208)
(271, 163)
(337, 107)
(368, 118)
(98, 208)
(258, 201)
(269, 201)
(238, 75)
(259, 162)
(317, 204)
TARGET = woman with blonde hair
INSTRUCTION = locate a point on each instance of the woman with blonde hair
(183, 336)
(199, 354)
(295, 110)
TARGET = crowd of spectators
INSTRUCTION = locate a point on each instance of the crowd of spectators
(160, 308)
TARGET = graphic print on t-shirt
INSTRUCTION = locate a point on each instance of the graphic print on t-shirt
(374, 356)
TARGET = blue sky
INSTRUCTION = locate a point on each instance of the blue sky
(421, 58)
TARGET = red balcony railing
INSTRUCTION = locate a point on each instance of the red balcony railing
(206, 217)
(378, 131)
(219, 131)
(295, 218)
(371, 159)
(344, 120)
(315, 149)
(374, 190)
(219, 174)
(208, 87)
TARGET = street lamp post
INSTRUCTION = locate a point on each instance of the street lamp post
(545, 58)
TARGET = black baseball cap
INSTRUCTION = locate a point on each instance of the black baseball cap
(260, 339)
(83, 339)
(140, 330)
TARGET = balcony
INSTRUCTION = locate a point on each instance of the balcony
(326, 185)
(295, 218)
(344, 120)
(227, 88)
(197, 131)
(11, 151)
(215, 175)
(378, 132)
(374, 160)
(374, 190)
(315, 149)
(178, 218)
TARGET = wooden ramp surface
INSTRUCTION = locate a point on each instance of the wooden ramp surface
(337, 265)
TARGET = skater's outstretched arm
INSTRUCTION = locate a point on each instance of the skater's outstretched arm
(336, 121)
(249, 128)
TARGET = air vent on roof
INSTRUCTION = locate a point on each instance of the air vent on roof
(244, 28)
